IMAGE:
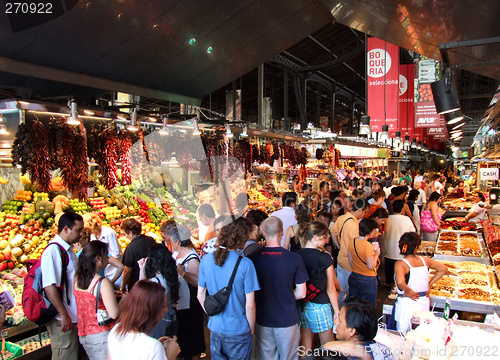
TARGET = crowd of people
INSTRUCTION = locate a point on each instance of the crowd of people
(306, 269)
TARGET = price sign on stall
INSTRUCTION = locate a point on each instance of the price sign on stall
(488, 174)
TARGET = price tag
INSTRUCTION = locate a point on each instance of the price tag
(157, 202)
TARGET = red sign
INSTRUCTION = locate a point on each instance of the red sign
(383, 84)
(426, 114)
(406, 90)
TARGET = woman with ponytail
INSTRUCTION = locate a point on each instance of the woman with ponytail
(412, 280)
(93, 337)
(232, 328)
(292, 238)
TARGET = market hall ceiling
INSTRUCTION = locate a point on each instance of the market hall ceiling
(143, 47)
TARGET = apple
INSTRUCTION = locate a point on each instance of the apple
(1, 257)
(7, 255)
(3, 266)
(10, 265)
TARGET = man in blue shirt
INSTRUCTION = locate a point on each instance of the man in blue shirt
(282, 278)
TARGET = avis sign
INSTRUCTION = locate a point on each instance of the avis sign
(488, 174)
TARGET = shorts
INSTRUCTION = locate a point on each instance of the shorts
(317, 317)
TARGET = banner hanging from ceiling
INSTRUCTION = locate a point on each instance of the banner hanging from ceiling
(425, 111)
(383, 84)
(406, 97)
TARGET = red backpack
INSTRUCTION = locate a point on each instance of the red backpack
(36, 305)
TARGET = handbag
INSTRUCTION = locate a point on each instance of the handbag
(103, 317)
(427, 223)
(214, 304)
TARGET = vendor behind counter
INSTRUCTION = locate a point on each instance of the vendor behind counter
(479, 207)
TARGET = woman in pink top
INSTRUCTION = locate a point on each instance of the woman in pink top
(93, 337)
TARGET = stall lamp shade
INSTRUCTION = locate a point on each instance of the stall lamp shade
(3, 130)
(445, 95)
(384, 135)
(397, 139)
(459, 125)
(229, 133)
(245, 131)
(414, 143)
(365, 128)
(73, 118)
(407, 141)
(196, 130)
(164, 130)
(133, 122)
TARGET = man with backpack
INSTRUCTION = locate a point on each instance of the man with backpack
(58, 286)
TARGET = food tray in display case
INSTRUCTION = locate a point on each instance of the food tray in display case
(454, 245)
(480, 307)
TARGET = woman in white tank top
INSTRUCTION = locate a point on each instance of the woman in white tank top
(412, 280)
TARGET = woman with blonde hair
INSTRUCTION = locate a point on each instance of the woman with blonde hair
(316, 315)
(106, 235)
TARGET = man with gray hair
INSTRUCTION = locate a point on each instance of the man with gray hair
(282, 277)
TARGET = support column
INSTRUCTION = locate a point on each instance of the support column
(286, 122)
(260, 94)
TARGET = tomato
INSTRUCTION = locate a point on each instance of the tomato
(10, 265)
(3, 266)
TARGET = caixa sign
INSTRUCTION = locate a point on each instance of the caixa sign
(488, 174)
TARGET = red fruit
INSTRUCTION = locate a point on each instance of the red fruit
(10, 265)
(3, 266)
(1, 257)
(31, 222)
(7, 255)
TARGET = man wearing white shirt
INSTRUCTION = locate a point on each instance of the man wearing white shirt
(400, 224)
(287, 213)
(62, 329)
(422, 199)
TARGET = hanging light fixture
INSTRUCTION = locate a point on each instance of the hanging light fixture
(73, 118)
(245, 132)
(397, 140)
(3, 130)
(414, 143)
(453, 117)
(365, 128)
(445, 94)
(229, 133)
(196, 130)
(459, 125)
(133, 122)
(164, 130)
(419, 145)
(407, 143)
(384, 136)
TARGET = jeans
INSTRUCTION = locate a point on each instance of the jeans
(343, 277)
(277, 343)
(231, 347)
(96, 345)
(363, 287)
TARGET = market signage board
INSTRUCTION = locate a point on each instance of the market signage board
(356, 151)
(425, 110)
(406, 98)
(488, 174)
(383, 84)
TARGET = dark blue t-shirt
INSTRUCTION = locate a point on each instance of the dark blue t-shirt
(278, 270)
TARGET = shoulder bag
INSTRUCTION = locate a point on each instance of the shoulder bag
(215, 303)
(103, 317)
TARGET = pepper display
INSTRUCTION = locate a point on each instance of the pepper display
(40, 166)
